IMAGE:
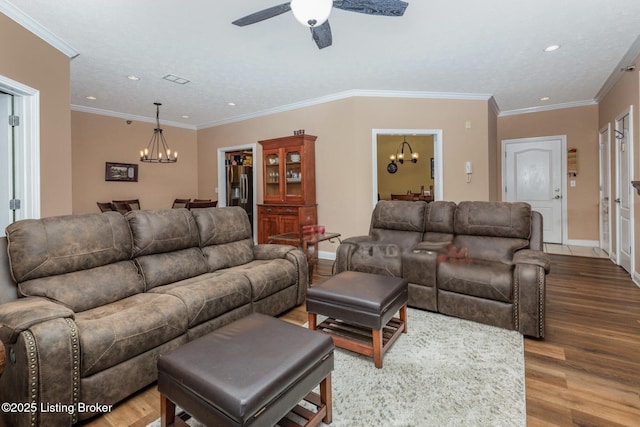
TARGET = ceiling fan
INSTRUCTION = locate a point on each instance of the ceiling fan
(320, 29)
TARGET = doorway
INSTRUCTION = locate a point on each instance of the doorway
(624, 196)
(7, 187)
(237, 180)
(431, 166)
(604, 146)
(25, 155)
(534, 172)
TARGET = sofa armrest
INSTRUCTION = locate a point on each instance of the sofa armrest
(528, 256)
(420, 265)
(21, 314)
(267, 251)
(345, 251)
(530, 273)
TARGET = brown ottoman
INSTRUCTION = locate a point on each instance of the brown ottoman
(252, 372)
(360, 307)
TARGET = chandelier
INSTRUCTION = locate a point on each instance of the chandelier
(157, 150)
(399, 156)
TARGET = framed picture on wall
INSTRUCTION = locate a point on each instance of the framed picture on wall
(121, 172)
(432, 168)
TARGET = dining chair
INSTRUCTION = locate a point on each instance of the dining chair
(105, 206)
(180, 203)
(134, 204)
(123, 208)
(402, 197)
(205, 204)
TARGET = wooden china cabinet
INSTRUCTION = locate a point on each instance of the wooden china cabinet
(289, 185)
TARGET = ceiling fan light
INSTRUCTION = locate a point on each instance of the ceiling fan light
(311, 13)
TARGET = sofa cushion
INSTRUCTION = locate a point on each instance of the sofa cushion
(380, 258)
(209, 295)
(225, 236)
(162, 231)
(440, 217)
(86, 289)
(482, 279)
(501, 249)
(162, 269)
(62, 244)
(398, 215)
(496, 219)
(116, 332)
(268, 277)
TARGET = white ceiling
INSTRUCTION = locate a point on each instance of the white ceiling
(451, 47)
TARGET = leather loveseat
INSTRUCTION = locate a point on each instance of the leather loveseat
(480, 261)
(94, 299)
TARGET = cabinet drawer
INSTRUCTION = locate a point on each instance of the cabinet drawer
(277, 210)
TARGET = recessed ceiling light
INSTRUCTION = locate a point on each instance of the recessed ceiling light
(544, 98)
(552, 48)
(132, 77)
(91, 97)
(184, 116)
(231, 104)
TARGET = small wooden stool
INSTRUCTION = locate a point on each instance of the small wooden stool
(252, 372)
(360, 307)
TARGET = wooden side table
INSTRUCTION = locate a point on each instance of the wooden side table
(307, 242)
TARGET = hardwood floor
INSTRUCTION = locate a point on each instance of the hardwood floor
(586, 372)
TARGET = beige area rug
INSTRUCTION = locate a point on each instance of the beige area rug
(443, 372)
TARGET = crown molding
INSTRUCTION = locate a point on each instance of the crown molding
(131, 117)
(36, 28)
(626, 61)
(351, 94)
(493, 106)
(548, 108)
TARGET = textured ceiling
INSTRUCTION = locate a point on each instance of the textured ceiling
(492, 48)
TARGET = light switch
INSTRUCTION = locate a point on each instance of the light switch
(572, 183)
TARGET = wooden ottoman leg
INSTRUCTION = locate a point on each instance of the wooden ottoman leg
(312, 320)
(325, 397)
(167, 411)
(377, 347)
(403, 317)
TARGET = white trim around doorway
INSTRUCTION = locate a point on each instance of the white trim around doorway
(438, 189)
(222, 180)
(27, 106)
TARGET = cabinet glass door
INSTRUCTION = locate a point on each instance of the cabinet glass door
(293, 174)
(272, 176)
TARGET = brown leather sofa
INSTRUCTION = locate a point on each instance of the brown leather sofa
(94, 299)
(480, 261)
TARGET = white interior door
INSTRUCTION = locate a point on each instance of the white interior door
(533, 173)
(605, 189)
(624, 155)
(6, 162)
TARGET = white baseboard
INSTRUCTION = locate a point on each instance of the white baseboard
(635, 277)
(587, 243)
(327, 255)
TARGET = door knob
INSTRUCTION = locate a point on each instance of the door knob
(558, 197)
(618, 200)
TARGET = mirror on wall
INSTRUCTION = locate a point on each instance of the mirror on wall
(398, 175)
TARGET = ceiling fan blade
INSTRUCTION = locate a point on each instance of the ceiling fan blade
(267, 13)
(373, 7)
(322, 35)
